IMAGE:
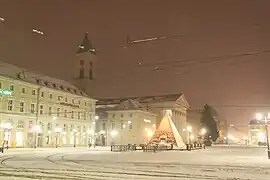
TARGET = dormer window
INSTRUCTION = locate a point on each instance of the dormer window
(46, 83)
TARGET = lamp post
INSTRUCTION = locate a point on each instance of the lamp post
(260, 117)
(75, 137)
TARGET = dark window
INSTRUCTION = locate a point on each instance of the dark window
(81, 72)
(81, 62)
(91, 71)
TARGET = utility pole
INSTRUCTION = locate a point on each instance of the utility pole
(37, 115)
(267, 137)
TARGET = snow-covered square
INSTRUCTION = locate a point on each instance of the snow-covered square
(217, 163)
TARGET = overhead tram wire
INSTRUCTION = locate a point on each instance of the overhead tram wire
(172, 65)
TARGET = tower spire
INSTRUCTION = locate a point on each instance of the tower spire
(86, 45)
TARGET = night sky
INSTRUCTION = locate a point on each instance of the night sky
(209, 28)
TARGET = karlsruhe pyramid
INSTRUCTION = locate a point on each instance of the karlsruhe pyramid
(167, 133)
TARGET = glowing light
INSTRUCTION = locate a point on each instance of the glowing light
(189, 128)
(102, 132)
(114, 133)
(96, 117)
(2, 19)
(58, 129)
(149, 133)
(129, 122)
(5, 92)
(90, 132)
(36, 128)
(54, 118)
(154, 125)
(147, 121)
(191, 137)
(38, 31)
(261, 136)
(259, 116)
(203, 131)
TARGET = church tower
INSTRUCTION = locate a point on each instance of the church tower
(85, 67)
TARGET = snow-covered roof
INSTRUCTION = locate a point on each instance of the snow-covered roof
(22, 74)
(142, 99)
(129, 104)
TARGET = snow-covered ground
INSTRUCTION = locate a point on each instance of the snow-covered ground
(215, 163)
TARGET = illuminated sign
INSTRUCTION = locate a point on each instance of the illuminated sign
(147, 121)
(5, 92)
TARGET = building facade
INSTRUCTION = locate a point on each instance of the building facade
(127, 123)
(40, 111)
(257, 132)
(158, 105)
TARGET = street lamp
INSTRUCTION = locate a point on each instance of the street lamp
(75, 136)
(260, 117)
(203, 131)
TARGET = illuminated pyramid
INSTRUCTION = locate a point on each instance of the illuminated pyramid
(167, 133)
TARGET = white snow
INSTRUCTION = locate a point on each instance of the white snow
(215, 163)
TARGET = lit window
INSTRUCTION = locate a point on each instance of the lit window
(58, 112)
(65, 113)
(30, 125)
(11, 87)
(113, 125)
(41, 109)
(32, 108)
(21, 106)
(50, 111)
(49, 126)
(23, 90)
(20, 124)
(10, 105)
(65, 128)
(72, 114)
(129, 124)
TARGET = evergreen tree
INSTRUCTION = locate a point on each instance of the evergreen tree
(208, 122)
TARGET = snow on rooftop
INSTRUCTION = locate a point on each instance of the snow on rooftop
(15, 72)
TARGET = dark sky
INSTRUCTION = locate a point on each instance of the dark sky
(210, 28)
